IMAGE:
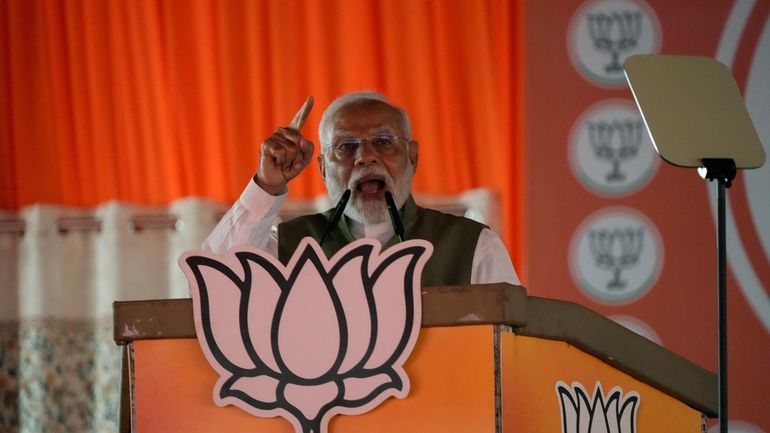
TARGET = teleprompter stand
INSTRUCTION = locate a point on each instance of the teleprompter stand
(722, 170)
(696, 117)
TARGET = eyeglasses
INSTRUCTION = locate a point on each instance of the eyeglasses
(382, 144)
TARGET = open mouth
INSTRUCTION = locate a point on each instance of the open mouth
(371, 185)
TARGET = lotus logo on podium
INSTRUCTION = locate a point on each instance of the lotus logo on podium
(312, 339)
(613, 413)
(604, 33)
(616, 255)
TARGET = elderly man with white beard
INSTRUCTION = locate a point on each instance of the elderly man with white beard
(366, 147)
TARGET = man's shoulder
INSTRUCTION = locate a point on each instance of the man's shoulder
(305, 220)
(441, 217)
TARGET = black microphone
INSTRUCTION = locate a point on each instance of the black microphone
(335, 218)
(394, 217)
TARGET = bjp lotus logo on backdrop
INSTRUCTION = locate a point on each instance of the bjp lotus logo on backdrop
(604, 33)
(610, 152)
(312, 339)
(614, 412)
(616, 255)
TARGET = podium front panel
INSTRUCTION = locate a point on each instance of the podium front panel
(528, 372)
(452, 389)
(532, 370)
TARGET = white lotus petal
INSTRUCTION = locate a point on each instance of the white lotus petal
(223, 301)
(358, 318)
(308, 333)
(261, 388)
(359, 387)
(263, 299)
(390, 302)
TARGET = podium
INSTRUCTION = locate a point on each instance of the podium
(489, 358)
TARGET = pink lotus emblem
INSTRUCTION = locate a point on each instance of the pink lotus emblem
(312, 339)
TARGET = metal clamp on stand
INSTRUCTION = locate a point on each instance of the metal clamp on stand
(723, 170)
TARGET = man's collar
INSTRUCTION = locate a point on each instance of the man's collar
(408, 214)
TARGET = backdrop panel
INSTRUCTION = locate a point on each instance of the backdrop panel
(613, 228)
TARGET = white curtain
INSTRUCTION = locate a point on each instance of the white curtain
(59, 368)
(60, 271)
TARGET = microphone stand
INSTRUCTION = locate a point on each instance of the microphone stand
(395, 219)
(335, 218)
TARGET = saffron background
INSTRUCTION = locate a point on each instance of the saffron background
(148, 102)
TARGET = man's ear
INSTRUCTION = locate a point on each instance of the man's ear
(414, 153)
(321, 165)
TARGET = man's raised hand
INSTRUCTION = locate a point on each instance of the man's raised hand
(285, 154)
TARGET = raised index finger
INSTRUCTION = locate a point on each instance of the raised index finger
(301, 117)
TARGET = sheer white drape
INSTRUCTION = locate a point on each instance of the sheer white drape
(59, 367)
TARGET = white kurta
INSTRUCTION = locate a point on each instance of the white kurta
(249, 222)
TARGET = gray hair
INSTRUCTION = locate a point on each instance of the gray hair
(326, 125)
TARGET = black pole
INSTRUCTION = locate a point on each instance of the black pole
(722, 306)
(723, 171)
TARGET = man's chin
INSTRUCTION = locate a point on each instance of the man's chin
(367, 210)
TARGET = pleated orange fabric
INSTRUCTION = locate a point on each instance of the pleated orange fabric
(148, 101)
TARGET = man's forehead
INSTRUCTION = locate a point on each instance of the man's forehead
(374, 129)
(370, 114)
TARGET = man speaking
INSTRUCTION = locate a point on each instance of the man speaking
(367, 161)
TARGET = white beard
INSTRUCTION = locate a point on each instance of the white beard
(371, 212)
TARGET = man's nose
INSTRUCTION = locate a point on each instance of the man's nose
(365, 154)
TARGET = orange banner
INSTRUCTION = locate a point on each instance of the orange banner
(613, 227)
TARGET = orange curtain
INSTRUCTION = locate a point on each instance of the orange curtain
(149, 101)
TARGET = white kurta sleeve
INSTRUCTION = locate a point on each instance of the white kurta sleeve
(249, 222)
(491, 262)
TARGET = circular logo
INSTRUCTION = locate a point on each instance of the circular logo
(748, 217)
(616, 255)
(610, 151)
(604, 33)
(636, 325)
